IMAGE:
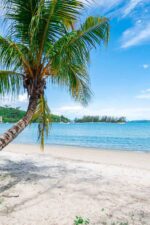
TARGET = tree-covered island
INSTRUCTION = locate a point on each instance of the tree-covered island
(104, 119)
(12, 115)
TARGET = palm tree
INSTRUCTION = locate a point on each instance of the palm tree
(44, 41)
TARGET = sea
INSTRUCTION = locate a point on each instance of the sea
(131, 136)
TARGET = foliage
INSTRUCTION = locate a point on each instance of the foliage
(42, 114)
(10, 82)
(42, 41)
(107, 119)
(58, 119)
(45, 41)
(12, 115)
(79, 220)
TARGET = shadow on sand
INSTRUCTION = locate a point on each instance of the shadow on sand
(27, 172)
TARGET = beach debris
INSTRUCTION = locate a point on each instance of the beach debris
(10, 195)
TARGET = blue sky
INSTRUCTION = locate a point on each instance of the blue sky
(120, 73)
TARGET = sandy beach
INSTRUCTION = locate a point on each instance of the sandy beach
(54, 187)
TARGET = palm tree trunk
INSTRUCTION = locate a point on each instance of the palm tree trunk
(12, 133)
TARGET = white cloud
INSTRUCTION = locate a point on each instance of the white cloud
(70, 109)
(144, 94)
(124, 8)
(131, 6)
(129, 112)
(139, 33)
(23, 98)
(111, 7)
(139, 13)
(137, 113)
(136, 35)
(146, 66)
(102, 3)
(14, 101)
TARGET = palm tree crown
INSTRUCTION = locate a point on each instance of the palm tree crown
(45, 41)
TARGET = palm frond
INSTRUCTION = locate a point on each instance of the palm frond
(42, 42)
(75, 78)
(14, 54)
(19, 14)
(42, 116)
(60, 15)
(69, 57)
(34, 22)
(11, 82)
(93, 32)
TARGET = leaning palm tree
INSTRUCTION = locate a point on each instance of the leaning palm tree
(44, 42)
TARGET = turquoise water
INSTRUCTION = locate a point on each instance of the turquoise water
(129, 136)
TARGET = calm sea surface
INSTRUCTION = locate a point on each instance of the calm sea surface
(129, 136)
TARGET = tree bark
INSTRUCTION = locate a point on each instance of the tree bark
(12, 133)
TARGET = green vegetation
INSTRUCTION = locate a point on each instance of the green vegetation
(107, 119)
(132, 219)
(57, 119)
(10, 114)
(45, 42)
(79, 220)
(13, 115)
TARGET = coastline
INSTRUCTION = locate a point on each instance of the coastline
(55, 186)
(87, 154)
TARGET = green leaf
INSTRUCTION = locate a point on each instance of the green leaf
(14, 54)
(43, 117)
(41, 41)
(11, 82)
(69, 56)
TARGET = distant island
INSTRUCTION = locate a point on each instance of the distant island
(102, 119)
(12, 115)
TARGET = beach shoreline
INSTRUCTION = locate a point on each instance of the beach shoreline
(55, 186)
(86, 154)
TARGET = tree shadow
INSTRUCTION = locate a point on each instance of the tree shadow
(23, 171)
(28, 172)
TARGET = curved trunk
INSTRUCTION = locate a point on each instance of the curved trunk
(12, 133)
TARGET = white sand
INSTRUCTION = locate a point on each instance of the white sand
(53, 187)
